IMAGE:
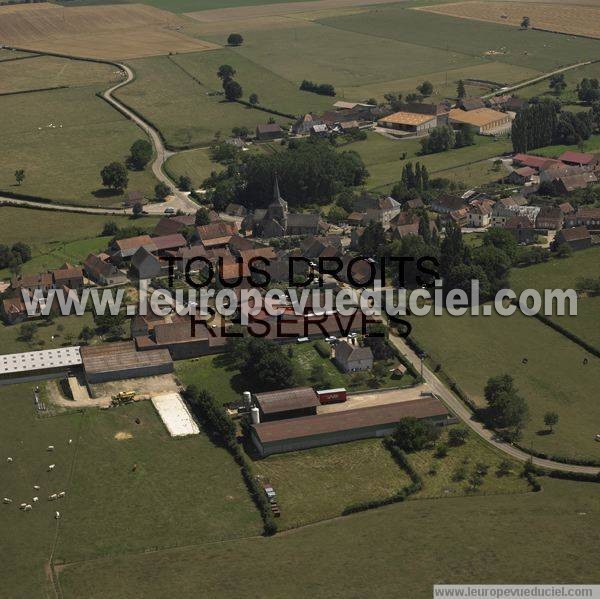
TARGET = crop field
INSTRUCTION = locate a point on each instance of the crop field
(383, 158)
(112, 32)
(50, 71)
(575, 19)
(109, 508)
(63, 138)
(555, 377)
(536, 50)
(317, 484)
(190, 116)
(524, 536)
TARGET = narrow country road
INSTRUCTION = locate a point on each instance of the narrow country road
(62, 207)
(462, 412)
(511, 88)
(181, 201)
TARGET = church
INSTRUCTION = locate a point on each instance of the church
(277, 221)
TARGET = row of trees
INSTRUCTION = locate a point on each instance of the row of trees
(232, 89)
(12, 257)
(543, 123)
(323, 89)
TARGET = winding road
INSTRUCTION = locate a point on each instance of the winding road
(462, 412)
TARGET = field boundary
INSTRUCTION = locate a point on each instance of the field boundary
(33, 91)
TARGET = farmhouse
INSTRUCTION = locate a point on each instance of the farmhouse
(588, 217)
(268, 131)
(217, 234)
(294, 434)
(353, 358)
(68, 276)
(521, 228)
(287, 403)
(570, 183)
(446, 203)
(521, 175)
(485, 120)
(124, 249)
(549, 218)
(534, 162)
(103, 272)
(480, 214)
(577, 238)
(120, 360)
(146, 265)
(173, 224)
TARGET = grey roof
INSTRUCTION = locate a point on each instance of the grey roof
(61, 357)
(344, 352)
(302, 219)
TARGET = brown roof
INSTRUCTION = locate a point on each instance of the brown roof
(573, 182)
(582, 158)
(133, 242)
(43, 279)
(95, 265)
(114, 357)
(264, 252)
(287, 399)
(536, 162)
(268, 128)
(67, 273)
(566, 208)
(407, 118)
(174, 224)
(216, 230)
(575, 233)
(332, 422)
(518, 222)
(478, 117)
(169, 242)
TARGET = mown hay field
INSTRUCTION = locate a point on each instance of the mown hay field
(566, 18)
(111, 32)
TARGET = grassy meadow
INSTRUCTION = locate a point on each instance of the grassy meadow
(62, 139)
(108, 508)
(514, 539)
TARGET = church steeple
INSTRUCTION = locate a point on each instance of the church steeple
(276, 194)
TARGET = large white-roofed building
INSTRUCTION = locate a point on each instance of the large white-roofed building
(38, 365)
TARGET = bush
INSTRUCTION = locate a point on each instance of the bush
(413, 434)
(457, 436)
(441, 451)
(323, 348)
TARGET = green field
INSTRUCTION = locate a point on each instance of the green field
(317, 484)
(63, 138)
(589, 145)
(382, 157)
(108, 509)
(472, 349)
(400, 551)
(536, 50)
(196, 164)
(50, 71)
(56, 236)
(188, 117)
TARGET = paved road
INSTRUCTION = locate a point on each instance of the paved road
(457, 406)
(181, 200)
(511, 88)
(63, 207)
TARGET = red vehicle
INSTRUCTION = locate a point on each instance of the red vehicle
(332, 396)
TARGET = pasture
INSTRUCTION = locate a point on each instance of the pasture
(383, 159)
(108, 508)
(516, 539)
(196, 164)
(110, 32)
(192, 115)
(566, 18)
(554, 378)
(62, 139)
(317, 484)
(51, 71)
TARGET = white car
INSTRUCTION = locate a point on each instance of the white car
(169, 210)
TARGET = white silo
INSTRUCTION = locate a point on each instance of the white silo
(255, 415)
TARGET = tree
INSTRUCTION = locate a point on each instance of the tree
(19, 176)
(526, 23)
(28, 331)
(588, 90)
(114, 175)
(502, 240)
(202, 217)
(557, 83)
(319, 377)
(457, 436)
(253, 99)
(425, 89)
(503, 468)
(185, 183)
(111, 325)
(465, 136)
(233, 90)
(140, 154)
(235, 39)
(507, 409)
(461, 92)
(137, 209)
(110, 228)
(440, 139)
(86, 334)
(225, 72)
(551, 420)
(535, 126)
(413, 434)
(161, 190)
(22, 250)
(564, 250)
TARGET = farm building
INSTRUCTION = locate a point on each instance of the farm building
(577, 238)
(408, 121)
(268, 131)
(353, 358)
(287, 403)
(330, 428)
(115, 361)
(38, 365)
(103, 272)
(485, 120)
